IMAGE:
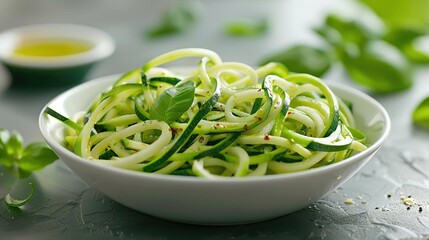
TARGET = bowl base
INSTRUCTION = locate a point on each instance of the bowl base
(42, 78)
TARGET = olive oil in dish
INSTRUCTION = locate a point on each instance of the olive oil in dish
(52, 48)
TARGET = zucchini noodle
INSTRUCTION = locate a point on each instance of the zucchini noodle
(241, 121)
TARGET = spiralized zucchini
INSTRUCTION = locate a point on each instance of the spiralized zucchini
(240, 121)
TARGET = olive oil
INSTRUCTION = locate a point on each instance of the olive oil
(52, 48)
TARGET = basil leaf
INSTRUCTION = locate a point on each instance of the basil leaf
(173, 102)
(407, 41)
(14, 145)
(175, 20)
(400, 13)
(36, 156)
(380, 67)
(329, 34)
(303, 59)
(402, 36)
(421, 114)
(349, 31)
(246, 28)
(6, 160)
(15, 203)
(415, 54)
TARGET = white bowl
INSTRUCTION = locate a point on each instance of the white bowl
(225, 201)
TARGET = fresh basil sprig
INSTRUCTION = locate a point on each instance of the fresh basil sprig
(16, 203)
(173, 102)
(351, 43)
(26, 160)
(22, 161)
(380, 67)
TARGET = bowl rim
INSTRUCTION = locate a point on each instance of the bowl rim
(103, 45)
(162, 177)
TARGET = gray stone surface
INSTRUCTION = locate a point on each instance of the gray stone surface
(64, 207)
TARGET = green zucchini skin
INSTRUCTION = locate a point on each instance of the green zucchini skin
(236, 121)
(205, 108)
(216, 149)
(63, 119)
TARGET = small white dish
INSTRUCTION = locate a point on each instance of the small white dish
(27, 70)
(215, 202)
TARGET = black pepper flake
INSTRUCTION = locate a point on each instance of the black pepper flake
(408, 208)
(420, 209)
(389, 195)
(409, 196)
(376, 207)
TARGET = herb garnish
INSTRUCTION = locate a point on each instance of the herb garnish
(173, 102)
(23, 161)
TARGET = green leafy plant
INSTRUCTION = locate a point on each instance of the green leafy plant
(26, 160)
(421, 114)
(23, 160)
(176, 20)
(173, 102)
(407, 41)
(379, 67)
(246, 28)
(379, 60)
(16, 203)
(401, 14)
(301, 58)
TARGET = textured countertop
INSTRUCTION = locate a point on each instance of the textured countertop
(64, 207)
